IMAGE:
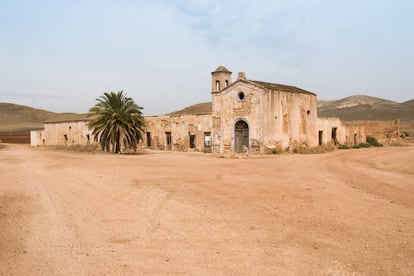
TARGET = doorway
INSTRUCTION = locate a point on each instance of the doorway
(192, 140)
(168, 140)
(148, 139)
(241, 136)
(320, 138)
(333, 136)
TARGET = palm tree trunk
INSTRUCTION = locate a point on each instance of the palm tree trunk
(118, 143)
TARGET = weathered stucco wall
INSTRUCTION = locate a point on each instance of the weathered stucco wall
(275, 118)
(63, 134)
(352, 133)
(191, 132)
(330, 131)
(381, 130)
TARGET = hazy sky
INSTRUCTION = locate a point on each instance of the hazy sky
(62, 55)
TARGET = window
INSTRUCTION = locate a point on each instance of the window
(241, 96)
(217, 85)
(226, 83)
(207, 139)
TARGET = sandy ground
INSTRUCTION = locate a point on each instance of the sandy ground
(347, 212)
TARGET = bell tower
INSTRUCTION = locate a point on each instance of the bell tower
(220, 79)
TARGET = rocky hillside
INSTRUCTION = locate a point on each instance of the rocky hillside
(18, 118)
(366, 108)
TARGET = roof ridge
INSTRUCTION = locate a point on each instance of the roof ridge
(279, 86)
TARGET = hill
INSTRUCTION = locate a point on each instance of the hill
(361, 107)
(19, 118)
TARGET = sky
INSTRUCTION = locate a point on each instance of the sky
(62, 55)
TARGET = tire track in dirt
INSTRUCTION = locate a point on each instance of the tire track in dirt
(392, 186)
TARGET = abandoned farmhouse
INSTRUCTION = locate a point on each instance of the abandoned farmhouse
(245, 116)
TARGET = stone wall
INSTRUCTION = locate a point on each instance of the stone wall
(331, 131)
(186, 132)
(381, 130)
(68, 133)
(275, 118)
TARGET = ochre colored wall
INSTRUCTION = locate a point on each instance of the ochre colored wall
(275, 118)
(180, 127)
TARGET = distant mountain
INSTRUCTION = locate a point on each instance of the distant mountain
(409, 103)
(361, 107)
(356, 100)
(15, 117)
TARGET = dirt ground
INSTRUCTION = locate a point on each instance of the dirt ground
(347, 212)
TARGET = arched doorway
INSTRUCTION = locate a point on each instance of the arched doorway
(241, 136)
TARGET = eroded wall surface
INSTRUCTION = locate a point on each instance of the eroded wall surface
(380, 130)
(186, 132)
(274, 118)
(68, 133)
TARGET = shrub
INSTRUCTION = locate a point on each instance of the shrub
(313, 150)
(277, 150)
(363, 145)
(373, 142)
(343, 147)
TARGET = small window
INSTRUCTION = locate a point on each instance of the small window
(217, 85)
(70, 128)
(207, 139)
(308, 112)
(226, 83)
(241, 96)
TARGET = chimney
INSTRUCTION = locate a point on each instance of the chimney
(241, 76)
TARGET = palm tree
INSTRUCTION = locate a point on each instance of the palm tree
(117, 121)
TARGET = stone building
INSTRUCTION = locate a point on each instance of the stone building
(245, 116)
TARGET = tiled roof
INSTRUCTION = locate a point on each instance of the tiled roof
(281, 87)
(221, 68)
